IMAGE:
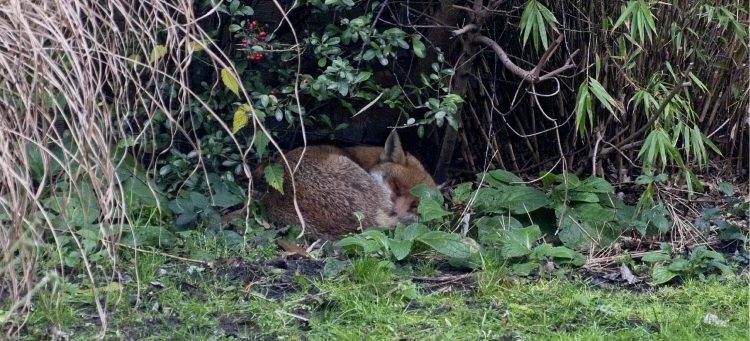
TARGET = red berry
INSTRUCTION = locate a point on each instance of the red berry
(258, 55)
(262, 34)
(254, 23)
(273, 92)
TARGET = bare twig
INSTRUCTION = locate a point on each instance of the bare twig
(532, 75)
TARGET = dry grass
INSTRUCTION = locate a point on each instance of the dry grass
(94, 70)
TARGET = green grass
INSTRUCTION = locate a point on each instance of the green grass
(372, 300)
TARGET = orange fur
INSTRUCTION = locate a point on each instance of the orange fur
(332, 183)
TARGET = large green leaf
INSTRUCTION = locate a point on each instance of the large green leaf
(410, 232)
(462, 192)
(499, 177)
(430, 209)
(149, 236)
(490, 227)
(521, 200)
(367, 246)
(400, 248)
(519, 242)
(661, 274)
(424, 192)
(448, 244)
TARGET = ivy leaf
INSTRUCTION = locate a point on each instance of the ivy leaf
(448, 244)
(230, 81)
(274, 175)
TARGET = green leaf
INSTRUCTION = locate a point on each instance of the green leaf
(726, 188)
(519, 242)
(157, 53)
(625, 14)
(362, 76)
(678, 265)
(602, 95)
(448, 244)
(490, 228)
(653, 257)
(367, 246)
(561, 253)
(462, 192)
(227, 77)
(521, 200)
(418, 46)
(524, 269)
(583, 109)
(661, 275)
(424, 192)
(410, 232)
(241, 119)
(260, 142)
(594, 213)
(149, 236)
(274, 175)
(400, 248)
(378, 236)
(499, 178)
(595, 185)
(431, 210)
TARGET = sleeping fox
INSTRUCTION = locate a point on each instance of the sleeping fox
(333, 183)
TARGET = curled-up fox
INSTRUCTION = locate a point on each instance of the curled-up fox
(333, 183)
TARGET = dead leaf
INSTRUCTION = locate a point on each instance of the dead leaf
(291, 248)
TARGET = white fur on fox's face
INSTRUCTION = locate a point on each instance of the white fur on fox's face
(379, 178)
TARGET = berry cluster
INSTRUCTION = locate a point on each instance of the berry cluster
(256, 36)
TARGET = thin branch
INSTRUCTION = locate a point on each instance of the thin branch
(532, 76)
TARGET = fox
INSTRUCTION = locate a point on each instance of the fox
(333, 183)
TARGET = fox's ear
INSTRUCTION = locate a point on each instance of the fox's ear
(393, 152)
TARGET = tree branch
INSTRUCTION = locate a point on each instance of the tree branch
(532, 75)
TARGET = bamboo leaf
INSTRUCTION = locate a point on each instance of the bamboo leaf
(542, 29)
(625, 14)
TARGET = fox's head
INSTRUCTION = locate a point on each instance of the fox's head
(398, 172)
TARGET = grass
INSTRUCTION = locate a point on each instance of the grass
(243, 298)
